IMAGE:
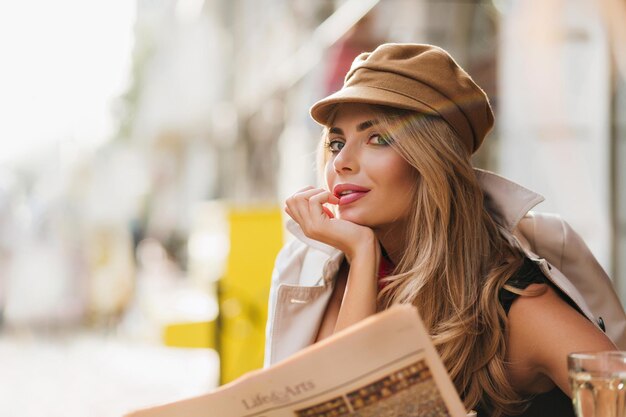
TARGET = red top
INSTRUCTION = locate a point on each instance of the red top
(385, 268)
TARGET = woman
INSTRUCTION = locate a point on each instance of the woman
(404, 218)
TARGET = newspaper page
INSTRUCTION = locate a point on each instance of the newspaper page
(383, 366)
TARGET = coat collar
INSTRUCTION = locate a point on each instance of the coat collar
(508, 199)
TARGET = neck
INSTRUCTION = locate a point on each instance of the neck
(392, 238)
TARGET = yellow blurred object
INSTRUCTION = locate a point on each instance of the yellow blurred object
(256, 236)
(199, 334)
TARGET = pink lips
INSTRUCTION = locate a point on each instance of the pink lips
(356, 192)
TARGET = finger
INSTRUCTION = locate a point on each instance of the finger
(317, 200)
(316, 205)
(300, 194)
(297, 207)
(293, 200)
(306, 209)
(299, 202)
(293, 214)
(307, 194)
(308, 187)
(332, 198)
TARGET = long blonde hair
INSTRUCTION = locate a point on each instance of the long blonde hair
(457, 258)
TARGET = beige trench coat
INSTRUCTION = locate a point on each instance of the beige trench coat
(304, 272)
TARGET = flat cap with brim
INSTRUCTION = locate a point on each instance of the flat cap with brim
(418, 77)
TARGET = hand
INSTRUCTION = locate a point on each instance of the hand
(357, 242)
(306, 207)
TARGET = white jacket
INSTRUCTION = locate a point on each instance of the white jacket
(305, 269)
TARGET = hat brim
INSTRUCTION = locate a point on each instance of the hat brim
(322, 110)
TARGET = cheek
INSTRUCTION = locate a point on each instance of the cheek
(402, 178)
(396, 171)
(329, 174)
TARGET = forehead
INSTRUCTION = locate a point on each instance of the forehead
(350, 115)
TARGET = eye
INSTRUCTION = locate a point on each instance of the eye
(377, 139)
(334, 145)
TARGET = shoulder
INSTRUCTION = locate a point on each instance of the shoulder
(551, 236)
(544, 313)
(541, 331)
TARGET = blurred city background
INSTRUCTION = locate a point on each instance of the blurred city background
(147, 146)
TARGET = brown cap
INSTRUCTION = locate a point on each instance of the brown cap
(417, 77)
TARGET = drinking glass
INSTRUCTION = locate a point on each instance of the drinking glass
(598, 381)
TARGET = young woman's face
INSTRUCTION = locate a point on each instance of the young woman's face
(374, 183)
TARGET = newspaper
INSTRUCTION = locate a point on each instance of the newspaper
(383, 366)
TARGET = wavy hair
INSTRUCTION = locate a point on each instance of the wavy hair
(458, 257)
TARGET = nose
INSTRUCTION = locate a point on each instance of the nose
(347, 159)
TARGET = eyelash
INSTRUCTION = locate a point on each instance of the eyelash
(330, 142)
(329, 145)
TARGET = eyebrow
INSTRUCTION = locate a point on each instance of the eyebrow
(359, 128)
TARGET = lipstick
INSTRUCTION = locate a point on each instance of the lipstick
(349, 193)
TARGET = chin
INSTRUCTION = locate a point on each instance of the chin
(354, 218)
